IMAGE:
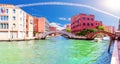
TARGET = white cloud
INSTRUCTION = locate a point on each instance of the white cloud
(64, 19)
(57, 25)
(69, 4)
(69, 19)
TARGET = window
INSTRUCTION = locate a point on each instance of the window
(14, 25)
(1, 26)
(88, 19)
(83, 18)
(96, 23)
(83, 24)
(31, 22)
(4, 26)
(6, 10)
(14, 18)
(87, 24)
(3, 18)
(6, 17)
(7, 26)
(14, 10)
(91, 24)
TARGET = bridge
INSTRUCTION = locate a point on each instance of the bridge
(69, 35)
(91, 36)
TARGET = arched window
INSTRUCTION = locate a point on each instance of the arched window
(87, 24)
(83, 24)
(14, 10)
(5, 26)
(91, 24)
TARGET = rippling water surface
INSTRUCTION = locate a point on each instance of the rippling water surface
(55, 50)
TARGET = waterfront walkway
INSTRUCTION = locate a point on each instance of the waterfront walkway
(116, 53)
(119, 51)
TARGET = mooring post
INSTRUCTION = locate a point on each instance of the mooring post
(111, 41)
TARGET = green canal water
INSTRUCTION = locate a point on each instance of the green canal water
(55, 50)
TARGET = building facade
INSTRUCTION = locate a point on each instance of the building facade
(82, 21)
(12, 22)
(41, 25)
(119, 25)
(110, 29)
(29, 26)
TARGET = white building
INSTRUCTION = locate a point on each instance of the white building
(12, 22)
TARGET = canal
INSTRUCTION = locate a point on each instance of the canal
(54, 50)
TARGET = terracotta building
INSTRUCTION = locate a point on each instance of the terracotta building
(82, 21)
(41, 25)
(29, 26)
(110, 29)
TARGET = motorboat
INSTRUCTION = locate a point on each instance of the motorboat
(106, 38)
(97, 39)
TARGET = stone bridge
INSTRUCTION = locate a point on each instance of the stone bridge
(69, 35)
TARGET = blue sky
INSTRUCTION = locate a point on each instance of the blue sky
(61, 14)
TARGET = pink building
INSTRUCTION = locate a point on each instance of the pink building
(82, 21)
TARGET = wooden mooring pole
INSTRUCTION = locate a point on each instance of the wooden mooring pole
(111, 41)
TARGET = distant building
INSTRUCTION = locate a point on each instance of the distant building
(12, 22)
(41, 25)
(118, 31)
(68, 26)
(119, 25)
(51, 28)
(110, 29)
(82, 21)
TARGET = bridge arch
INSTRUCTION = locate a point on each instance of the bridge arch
(93, 35)
(44, 35)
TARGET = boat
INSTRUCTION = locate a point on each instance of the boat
(97, 39)
(106, 38)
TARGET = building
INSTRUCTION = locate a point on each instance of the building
(29, 26)
(12, 22)
(82, 21)
(68, 26)
(110, 29)
(41, 25)
(51, 28)
(118, 31)
(119, 25)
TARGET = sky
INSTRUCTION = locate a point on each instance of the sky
(59, 15)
